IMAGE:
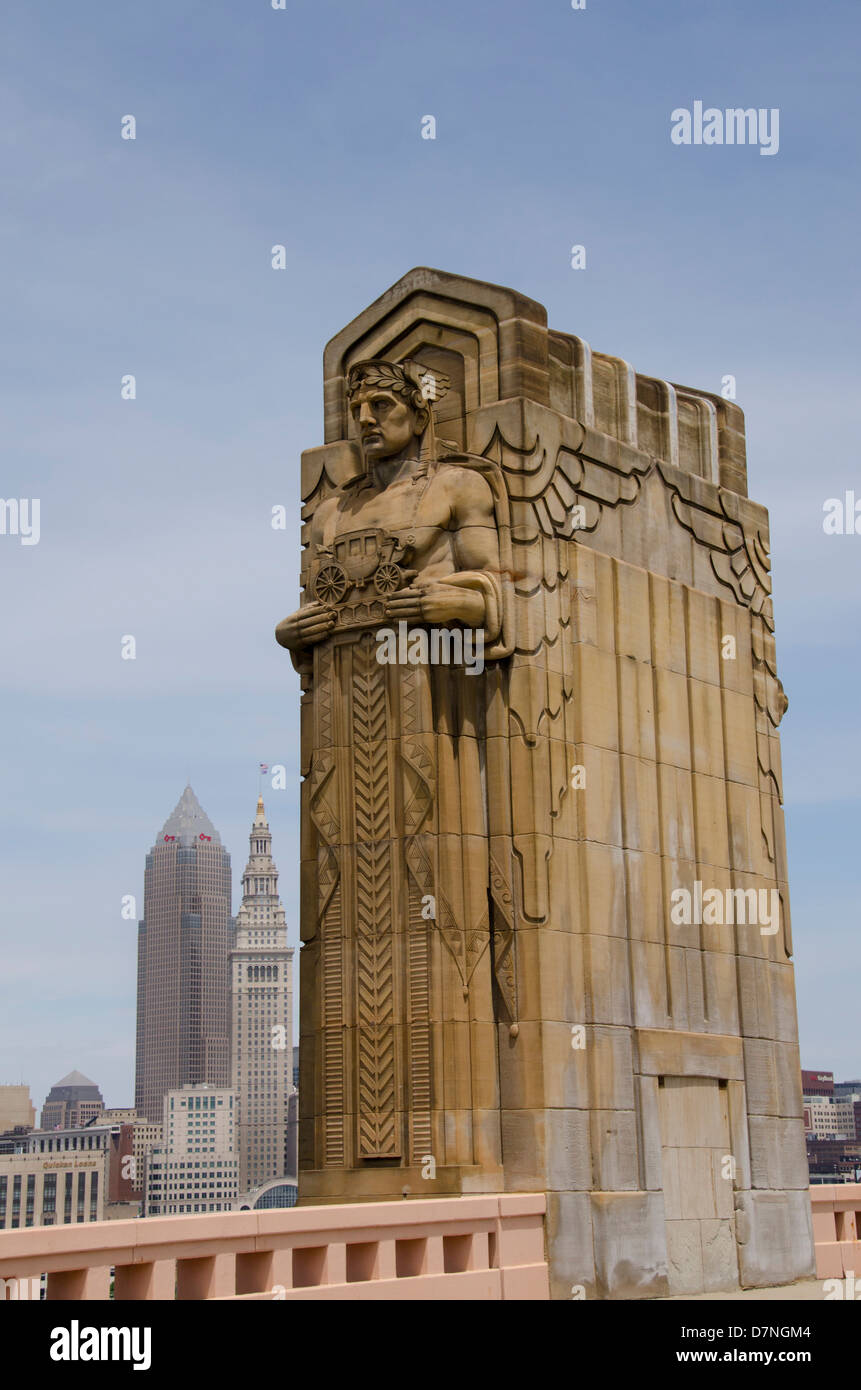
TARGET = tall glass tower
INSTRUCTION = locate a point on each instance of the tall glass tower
(183, 941)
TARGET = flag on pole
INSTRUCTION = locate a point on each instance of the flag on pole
(264, 768)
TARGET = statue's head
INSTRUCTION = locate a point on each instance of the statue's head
(391, 403)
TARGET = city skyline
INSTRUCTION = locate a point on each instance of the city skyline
(112, 1083)
(120, 1091)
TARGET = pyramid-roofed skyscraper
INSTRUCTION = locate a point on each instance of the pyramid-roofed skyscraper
(183, 939)
(188, 822)
(73, 1100)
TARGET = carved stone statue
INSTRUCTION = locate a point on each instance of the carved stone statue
(397, 795)
(496, 990)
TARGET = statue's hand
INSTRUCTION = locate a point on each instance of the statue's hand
(305, 627)
(438, 603)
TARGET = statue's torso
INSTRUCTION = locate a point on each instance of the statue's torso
(409, 524)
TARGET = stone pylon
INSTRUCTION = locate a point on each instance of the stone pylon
(545, 917)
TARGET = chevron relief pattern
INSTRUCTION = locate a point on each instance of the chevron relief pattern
(375, 986)
(333, 1034)
(409, 701)
(369, 693)
(419, 1031)
(419, 785)
(503, 937)
(323, 694)
(377, 1062)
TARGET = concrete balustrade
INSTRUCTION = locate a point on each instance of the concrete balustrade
(836, 1229)
(482, 1247)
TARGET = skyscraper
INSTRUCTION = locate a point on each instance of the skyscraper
(183, 990)
(262, 1015)
(72, 1101)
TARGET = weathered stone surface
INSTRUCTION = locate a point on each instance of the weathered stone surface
(684, 1257)
(614, 1150)
(720, 1258)
(775, 1237)
(630, 1245)
(777, 1159)
(569, 1236)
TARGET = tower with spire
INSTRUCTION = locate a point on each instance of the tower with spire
(261, 976)
(183, 940)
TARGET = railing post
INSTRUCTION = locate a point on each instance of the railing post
(336, 1262)
(281, 1271)
(434, 1261)
(480, 1254)
(386, 1263)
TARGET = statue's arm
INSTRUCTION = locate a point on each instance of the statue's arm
(313, 621)
(472, 593)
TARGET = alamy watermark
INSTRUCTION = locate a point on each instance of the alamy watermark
(842, 1288)
(735, 126)
(19, 516)
(718, 907)
(842, 515)
(435, 646)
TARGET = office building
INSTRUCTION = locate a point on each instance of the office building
(16, 1108)
(183, 995)
(196, 1167)
(261, 965)
(73, 1101)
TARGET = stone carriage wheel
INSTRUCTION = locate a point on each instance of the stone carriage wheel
(331, 584)
(387, 579)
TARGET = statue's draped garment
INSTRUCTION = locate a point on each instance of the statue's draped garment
(406, 880)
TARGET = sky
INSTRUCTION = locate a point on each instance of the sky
(301, 127)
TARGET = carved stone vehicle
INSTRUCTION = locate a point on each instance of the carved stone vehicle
(354, 560)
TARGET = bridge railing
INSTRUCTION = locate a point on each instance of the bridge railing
(836, 1229)
(484, 1247)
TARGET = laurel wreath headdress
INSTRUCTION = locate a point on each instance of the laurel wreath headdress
(419, 386)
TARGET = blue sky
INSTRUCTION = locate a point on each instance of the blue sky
(302, 127)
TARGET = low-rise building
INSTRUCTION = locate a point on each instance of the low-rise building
(196, 1166)
(16, 1108)
(277, 1192)
(57, 1189)
(105, 1149)
(829, 1119)
(146, 1136)
(833, 1160)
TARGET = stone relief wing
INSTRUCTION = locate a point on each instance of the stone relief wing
(535, 487)
(734, 531)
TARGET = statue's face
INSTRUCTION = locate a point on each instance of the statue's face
(387, 425)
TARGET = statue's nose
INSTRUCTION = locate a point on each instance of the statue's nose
(366, 415)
